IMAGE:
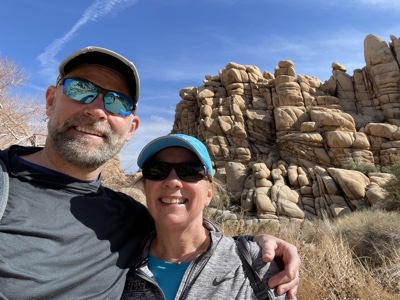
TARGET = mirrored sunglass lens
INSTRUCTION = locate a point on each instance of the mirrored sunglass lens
(118, 104)
(190, 172)
(82, 91)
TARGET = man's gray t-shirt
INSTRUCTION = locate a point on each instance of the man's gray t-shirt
(63, 239)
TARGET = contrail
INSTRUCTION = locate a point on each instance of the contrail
(98, 9)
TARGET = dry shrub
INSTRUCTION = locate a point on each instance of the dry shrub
(332, 269)
(374, 238)
(393, 186)
(115, 178)
(22, 119)
(247, 227)
(355, 257)
(329, 271)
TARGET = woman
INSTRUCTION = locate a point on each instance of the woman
(187, 257)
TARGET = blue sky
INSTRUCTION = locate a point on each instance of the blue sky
(175, 43)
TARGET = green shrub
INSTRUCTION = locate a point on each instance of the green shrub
(393, 187)
(363, 168)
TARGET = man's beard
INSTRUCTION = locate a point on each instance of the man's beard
(77, 150)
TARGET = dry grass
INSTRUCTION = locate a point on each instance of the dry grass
(355, 257)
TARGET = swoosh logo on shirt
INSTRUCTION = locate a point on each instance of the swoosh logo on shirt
(223, 279)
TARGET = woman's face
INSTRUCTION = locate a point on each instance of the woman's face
(175, 203)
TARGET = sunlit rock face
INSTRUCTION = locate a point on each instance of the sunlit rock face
(283, 143)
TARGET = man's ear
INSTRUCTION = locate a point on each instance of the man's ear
(134, 126)
(50, 99)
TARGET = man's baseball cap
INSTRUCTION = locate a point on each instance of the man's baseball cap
(107, 58)
(177, 140)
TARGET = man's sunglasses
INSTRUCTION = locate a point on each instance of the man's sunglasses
(189, 172)
(85, 91)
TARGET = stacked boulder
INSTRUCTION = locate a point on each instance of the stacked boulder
(282, 143)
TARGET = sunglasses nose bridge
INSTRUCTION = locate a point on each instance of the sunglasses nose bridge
(172, 173)
(101, 93)
(173, 178)
(96, 107)
(99, 98)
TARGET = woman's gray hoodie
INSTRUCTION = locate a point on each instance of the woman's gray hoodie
(216, 274)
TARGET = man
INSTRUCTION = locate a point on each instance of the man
(63, 235)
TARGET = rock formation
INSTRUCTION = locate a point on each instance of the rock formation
(282, 142)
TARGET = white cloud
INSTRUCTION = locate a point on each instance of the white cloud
(98, 9)
(381, 4)
(373, 4)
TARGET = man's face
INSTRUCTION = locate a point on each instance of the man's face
(86, 135)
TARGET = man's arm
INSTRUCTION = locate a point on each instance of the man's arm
(288, 279)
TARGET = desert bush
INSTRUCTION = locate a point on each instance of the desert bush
(276, 149)
(22, 119)
(354, 257)
(393, 187)
(363, 168)
(374, 239)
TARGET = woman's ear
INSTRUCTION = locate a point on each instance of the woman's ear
(210, 192)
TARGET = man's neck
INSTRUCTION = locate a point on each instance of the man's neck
(52, 160)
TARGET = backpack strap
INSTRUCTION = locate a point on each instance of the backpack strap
(259, 286)
(4, 186)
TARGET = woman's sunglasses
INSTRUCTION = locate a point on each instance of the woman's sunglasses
(85, 91)
(189, 172)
